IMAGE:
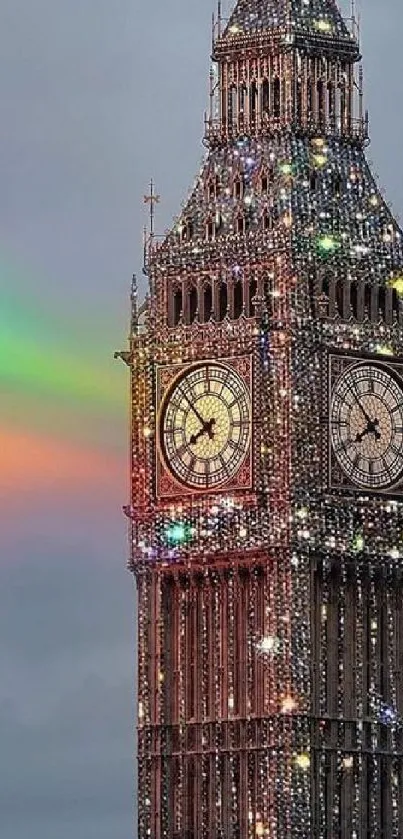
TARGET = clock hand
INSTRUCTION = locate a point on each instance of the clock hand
(370, 429)
(361, 407)
(193, 407)
(207, 427)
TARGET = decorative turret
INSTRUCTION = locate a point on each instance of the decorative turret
(284, 64)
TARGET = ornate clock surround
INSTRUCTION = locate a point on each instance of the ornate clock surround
(342, 367)
(168, 485)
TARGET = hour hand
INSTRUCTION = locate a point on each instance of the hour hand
(370, 429)
(207, 428)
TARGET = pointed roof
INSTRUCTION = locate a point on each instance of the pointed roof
(315, 16)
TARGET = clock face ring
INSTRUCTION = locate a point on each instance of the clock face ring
(205, 425)
(366, 425)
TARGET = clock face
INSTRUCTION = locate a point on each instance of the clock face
(366, 425)
(205, 425)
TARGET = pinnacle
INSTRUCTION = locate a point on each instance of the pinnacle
(322, 17)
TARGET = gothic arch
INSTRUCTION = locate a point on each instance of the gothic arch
(276, 97)
(395, 305)
(238, 187)
(232, 105)
(354, 300)
(240, 224)
(223, 300)
(210, 229)
(192, 303)
(339, 295)
(320, 98)
(368, 300)
(177, 305)
(265, 96)
(381, 302)
(187, 230)
(253, 95)
(207, 301)
(238, 299)
(252, 295)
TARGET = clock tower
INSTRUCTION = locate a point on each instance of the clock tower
(266, 508)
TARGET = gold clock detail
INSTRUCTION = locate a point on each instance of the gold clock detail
(205, 425)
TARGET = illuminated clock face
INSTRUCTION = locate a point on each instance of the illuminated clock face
(205, 425)
(366, 425)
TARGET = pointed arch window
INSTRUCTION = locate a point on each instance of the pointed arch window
(381, 302)
(368, 300)
(253, 101)
(252, 298)
(309, 98)
(320, 92)
(223, 300)
(192, 303)
(242, 100)
(267, 220)
(313, 180)
(330, 101)
(339, 298)
(354, 300)
(238, 188)
(324, 309)
(238, 299)
(207, 302)
(213, 186)
(187, 230)
(395, 305)
(210, 229)
(298, 101)
(265, 96)
(276, 97)
(240, 224)
(232, 105)
(337, 183)
(177, 305)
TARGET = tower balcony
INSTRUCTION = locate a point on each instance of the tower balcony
(219, 132)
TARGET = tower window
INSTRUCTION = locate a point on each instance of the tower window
(368, 300)
(276, 97)
(253, 101)
(177, 306)
(265, 96)
(210, 229)
(395, 304)
(238, 299)
(238, 188)
(321, 101)
(337, 184)
(192, 303)
(354, 300)
(223, 300)
(240, 224)
(313, 180)
(267, 221)
(252, 296)
(381, 302)
(339, 298)
(207, 302)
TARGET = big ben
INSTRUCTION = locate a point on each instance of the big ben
(266, 507)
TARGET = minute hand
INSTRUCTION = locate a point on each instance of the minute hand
(194, 409)
(362, 409)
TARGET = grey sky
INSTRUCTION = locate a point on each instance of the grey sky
(96, 96)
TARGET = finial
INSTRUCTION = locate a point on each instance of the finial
(152, 199)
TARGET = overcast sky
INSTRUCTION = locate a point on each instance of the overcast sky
(96, 96)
